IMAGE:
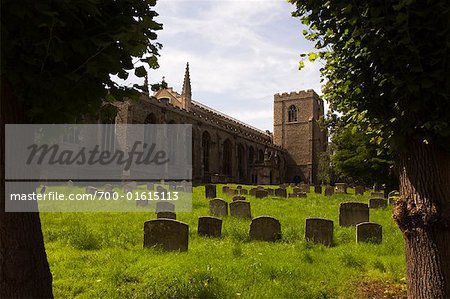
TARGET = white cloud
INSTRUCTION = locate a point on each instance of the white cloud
(240, 54)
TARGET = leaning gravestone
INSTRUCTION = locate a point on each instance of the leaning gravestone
(210, 191)
(164, 206)
(353, 213)
(359, 190)
(281, 192)
(218, 207)
(377, 203)
(318, 189)
(319, 230)
(209, 227)
(341, 188)
(169, 234)
(261, 193)
(166, 214)
(329, 191)
(265, 228)
(238, 197)
(369, 232)
(240, 209)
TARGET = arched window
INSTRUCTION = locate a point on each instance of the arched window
(292, 113)
(260, 155)
(251, 155)
(226, 162)
(206, 142)
(241, 154)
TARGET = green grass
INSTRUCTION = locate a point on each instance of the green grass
(100, 255)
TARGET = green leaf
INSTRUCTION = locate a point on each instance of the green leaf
(140, 72)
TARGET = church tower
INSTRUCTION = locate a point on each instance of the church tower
(297, 130)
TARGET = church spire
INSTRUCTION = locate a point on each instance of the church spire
(186, 92)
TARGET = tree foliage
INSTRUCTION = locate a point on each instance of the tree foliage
(59, 55)
(386, 64)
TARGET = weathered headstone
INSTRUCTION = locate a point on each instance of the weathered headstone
(70, 183)
(150, 186)
(318, 189)
(232, 192)
(261, 193)
(377, 194)
(253, 191)
(392, 200)
(296, 190)
(319, 230)
(166, 214)
(377, 203)
(164, 206)
(90, 190)
(341, 188)
(369, 232)
(210, 191)
(265, 228)
(225, 189)
(238, 187)
(218, 207)
(353, 213)
(240, 209)
(169, 234)
(329, 191)
(298, 194)
(209, 227)
(281, 192)
(180, 189)
(108, 188)
(238, 197)
(359, 190)
(243, 192)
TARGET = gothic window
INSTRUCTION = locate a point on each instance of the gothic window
(251, 155)
(226, 162)
(260, 155)
(292, 113)
(206, 144)
(241, 153)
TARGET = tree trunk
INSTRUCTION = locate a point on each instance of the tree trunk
(423, 215)
(24, 270)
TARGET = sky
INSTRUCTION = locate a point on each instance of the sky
(240, 54)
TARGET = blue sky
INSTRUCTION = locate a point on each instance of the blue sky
(240, 53)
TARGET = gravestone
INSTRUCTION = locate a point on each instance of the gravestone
(319, 230)
(369, 232)
(209, 226)
(225, 189)
(359, 190)
(70, 183)
(238, 187)
(166, 214)
(318, 189)
(270, 191)
(44, 188)
(281, 192)
(392, 200)
(265, 228)
(341, 188)
(232, 192)
(210, 191)
(108, 188)
(304, 188)
(243, 192)
(238, 197)
(218, 207)
(168, 234)
(299, 194)
(296, 190)
(261, 193)
(162, 192)
(150, 186)
(90, 190)
(180, 189)
(377, 194)
(377, 203)
(329, 190)
(394, 193)
(253, 191)
(353, 213)
(240, 209)
(164, 206)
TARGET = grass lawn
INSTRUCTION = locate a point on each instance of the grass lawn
(100, 255)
